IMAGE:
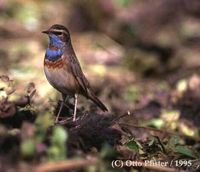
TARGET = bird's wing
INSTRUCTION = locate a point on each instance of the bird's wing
(77, 72)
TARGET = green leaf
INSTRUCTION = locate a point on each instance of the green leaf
(28, 148)
(133, 145)
(59, 135)
(156, 122)
(184, 151)
(57, 151)
(54, 154)
(44, 121)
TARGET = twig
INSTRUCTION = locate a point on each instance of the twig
(159, 141)
(65, 165)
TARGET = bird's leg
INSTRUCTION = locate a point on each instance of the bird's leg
(75, 106)
(61, 106)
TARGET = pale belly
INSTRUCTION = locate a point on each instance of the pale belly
(61, 80)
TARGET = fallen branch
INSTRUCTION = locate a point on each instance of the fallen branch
(65, 165)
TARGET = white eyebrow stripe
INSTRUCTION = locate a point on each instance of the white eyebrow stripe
(59, 30)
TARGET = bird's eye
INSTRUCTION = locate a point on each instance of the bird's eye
(57, 33)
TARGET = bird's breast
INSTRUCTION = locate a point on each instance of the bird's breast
(59, 75)
(58, 64)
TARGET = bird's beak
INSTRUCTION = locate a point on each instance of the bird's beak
(45, 31)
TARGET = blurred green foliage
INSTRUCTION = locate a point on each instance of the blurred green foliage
(57, 150)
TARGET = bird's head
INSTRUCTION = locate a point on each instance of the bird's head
(58, 35)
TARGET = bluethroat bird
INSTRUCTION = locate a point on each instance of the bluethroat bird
(63, 71)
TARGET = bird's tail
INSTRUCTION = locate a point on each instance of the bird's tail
(94, 98)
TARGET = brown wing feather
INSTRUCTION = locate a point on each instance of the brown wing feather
(83, 82)
(79, 75)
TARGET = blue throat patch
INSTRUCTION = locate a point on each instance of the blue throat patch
(54, 55)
